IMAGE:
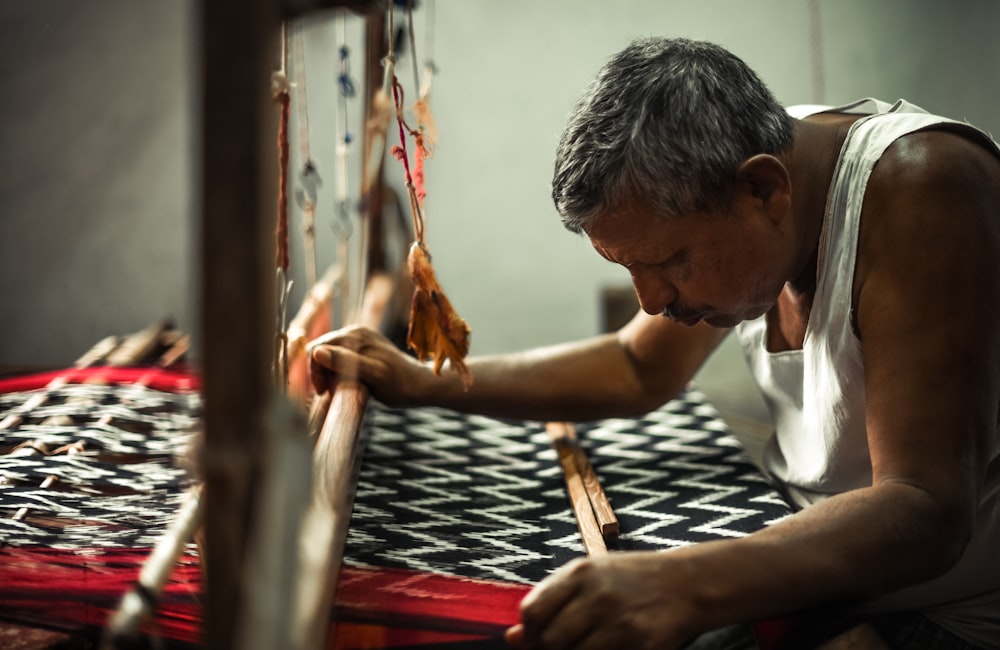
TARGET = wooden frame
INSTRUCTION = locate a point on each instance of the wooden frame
(238, 39)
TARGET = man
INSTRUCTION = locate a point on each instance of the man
(854, 252)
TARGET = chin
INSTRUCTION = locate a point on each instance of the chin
(732, 320)
(724, 320)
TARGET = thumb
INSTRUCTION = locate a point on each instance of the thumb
(326, 366)
(323, 355)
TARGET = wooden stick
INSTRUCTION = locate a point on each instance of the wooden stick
(91, 357)
(598, 499)
(586, 521)
(313, 305)
(335, 460)
(140, 601)
(238, 192)
(138, 346)
(70, 449)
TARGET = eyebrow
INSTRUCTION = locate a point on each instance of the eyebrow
(600, 251)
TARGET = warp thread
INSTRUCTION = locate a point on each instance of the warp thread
(347, 88)
(280, 92)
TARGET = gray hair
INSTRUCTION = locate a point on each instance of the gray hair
(666, 122)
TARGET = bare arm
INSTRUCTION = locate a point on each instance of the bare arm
(928, 314)
(928, 303)
(630, 372)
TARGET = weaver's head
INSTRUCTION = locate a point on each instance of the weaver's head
(666, 124)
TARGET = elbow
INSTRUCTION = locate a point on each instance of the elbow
(936, 531)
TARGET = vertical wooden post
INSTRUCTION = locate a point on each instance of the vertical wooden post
(376, 45)
(238, 40)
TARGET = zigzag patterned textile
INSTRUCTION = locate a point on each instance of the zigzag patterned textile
(455, 517)
(469, 508)
(92, 469)
(484, 498)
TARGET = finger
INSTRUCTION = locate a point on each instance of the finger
(571, 627)
(543, 606)
(328, 364)
(318, 376)
(514, 636)
(351, 337)
(327, 338)
(556, 588)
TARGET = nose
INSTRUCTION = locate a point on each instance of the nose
(654, 292)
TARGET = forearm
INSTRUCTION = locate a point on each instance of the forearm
(589, 379)
(624, 374)
(850, 549)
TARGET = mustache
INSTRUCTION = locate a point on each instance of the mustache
(680, 312)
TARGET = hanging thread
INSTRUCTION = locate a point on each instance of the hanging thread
(399, 151)
(309, 178)
(341, 224)
(281, 230)
(280, 91)
(413, 43)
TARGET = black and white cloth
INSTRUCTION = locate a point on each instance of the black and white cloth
(485, 498)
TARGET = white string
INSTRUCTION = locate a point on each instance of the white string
(341, 224)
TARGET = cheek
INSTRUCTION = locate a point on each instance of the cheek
(741, 276)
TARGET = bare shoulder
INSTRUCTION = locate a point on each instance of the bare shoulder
(932, 211)
(947, 152)
(947, 167)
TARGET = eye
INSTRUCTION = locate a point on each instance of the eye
(677, 259)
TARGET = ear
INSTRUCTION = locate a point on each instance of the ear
(765, 182)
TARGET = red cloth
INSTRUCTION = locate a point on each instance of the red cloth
(179, 379)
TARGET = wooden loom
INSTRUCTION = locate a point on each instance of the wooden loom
(238, 287)
(237, 283)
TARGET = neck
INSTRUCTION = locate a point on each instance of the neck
(811, 162)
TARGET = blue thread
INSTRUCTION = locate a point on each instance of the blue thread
(346, 84)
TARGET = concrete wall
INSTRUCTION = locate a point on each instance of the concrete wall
(98, 166)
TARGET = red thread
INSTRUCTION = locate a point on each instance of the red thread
(400, 153)
(85, 585)
(281, 229)
(400, 150)
(418, 171)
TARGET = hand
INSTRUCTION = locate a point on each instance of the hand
(359, 353)
(624, 600)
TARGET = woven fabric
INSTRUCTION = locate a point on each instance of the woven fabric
(456, 516)
(485, 498)
(122, 484)
(93, 467)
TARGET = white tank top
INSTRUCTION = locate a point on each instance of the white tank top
(816, 395)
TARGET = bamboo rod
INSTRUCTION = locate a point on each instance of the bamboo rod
(91, 357)
(139, 602)
(565, 433)
(315, 301)
(586, 520)
(138, 346)
(335, 466)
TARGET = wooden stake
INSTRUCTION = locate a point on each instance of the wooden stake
(606, 518)
(586, 521)
(335, 466)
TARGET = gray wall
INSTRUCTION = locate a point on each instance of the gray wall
(97, 147)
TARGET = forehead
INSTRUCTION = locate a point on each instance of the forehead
(634, 235)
